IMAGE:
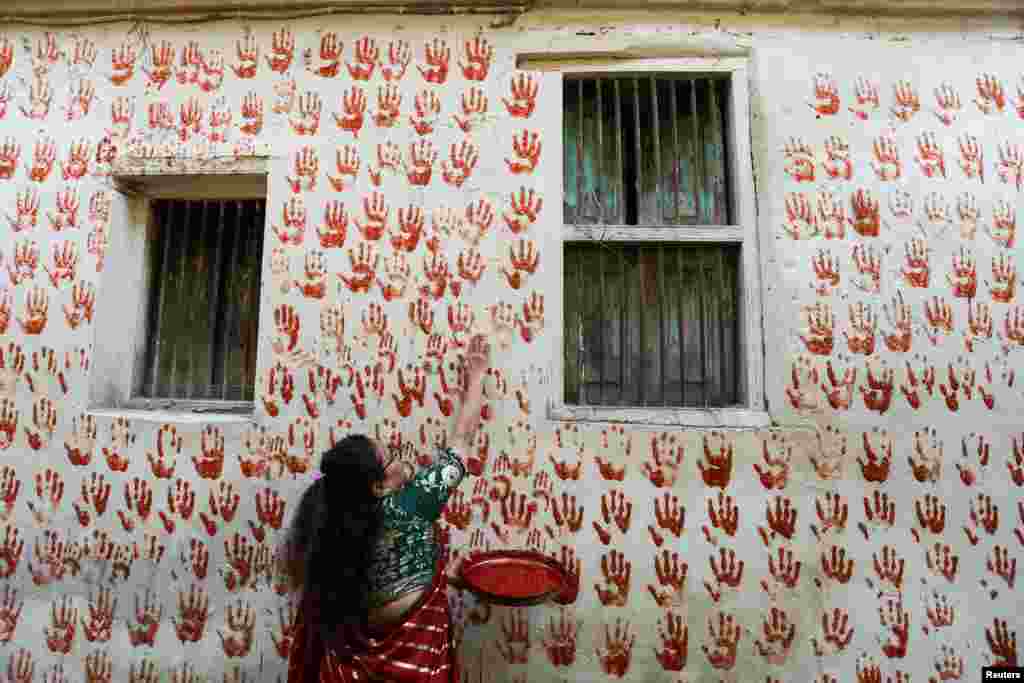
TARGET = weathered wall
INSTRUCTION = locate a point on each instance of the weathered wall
(877, 525)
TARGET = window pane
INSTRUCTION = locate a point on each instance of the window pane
(643, 149)
(204, 288)
(651, 325)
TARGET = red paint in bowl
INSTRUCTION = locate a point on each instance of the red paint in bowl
(513, 577)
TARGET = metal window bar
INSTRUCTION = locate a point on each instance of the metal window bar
(602, 208)
(158, 218)
(216, 330)
(179, 297)
(206, 255)
(638, 199)
(698, 154)
(681, 315)
(199, 299)
(581, 198)
(250, 288)
(584, 312)
(724, 359)
(230, 329)
(620, 178)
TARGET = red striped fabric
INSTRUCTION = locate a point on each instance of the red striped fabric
(419, 650)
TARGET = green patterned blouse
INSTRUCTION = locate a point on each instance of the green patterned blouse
(407, 553)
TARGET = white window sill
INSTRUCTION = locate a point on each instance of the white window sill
(697, 418)
(165, 416)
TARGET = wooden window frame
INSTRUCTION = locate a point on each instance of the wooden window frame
(120, 328)
(752, 411)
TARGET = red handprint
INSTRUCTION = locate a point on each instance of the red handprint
(143, 628)
(526, 147)
(948, 104)
(389, 106)
(523, 100)
(209, 463)
(614, 508)
(716, 467)
(102, 608)
(779, 634)
(675, 638)
(837, 633)
(193, 611)
(560, 640)
(367, 54)
(724, 517)
(477, 63)
(10, 614)
(168, 448)
(721, 653)
(866, 95)
(60, 634)
(617, 652)
(897, 621)
(138, 499)
(438, 55)
(826, 95)
(422, 157)
(991, 95)
(306, 121)
(462, 159)
(328, 61)
(666, 460)
(241, 622)
(282, 51)
(399, 56)
(617, 572)
(799, 160)
(427, 108)
(1002, 643)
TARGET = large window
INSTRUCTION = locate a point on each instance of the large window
(203, 305)
(659, 300)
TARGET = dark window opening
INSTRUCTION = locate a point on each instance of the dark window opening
(202, 326)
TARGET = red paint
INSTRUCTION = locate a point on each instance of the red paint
(513, 576)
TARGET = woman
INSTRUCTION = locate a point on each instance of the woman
(363, 551)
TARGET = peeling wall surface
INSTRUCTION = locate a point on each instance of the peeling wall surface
(871, 534)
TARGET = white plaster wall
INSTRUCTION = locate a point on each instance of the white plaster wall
(825, 446)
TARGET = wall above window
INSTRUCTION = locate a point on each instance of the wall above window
(58, 11)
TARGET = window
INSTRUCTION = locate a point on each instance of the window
(204, 300)
(180, 292)
(661, 316)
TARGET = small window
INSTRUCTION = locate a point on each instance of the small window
(652, 258)
(203, 308)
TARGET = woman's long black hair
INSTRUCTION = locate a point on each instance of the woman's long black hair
(332, 538)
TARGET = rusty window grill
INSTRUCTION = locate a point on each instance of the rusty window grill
(204, 300)
(651, 308)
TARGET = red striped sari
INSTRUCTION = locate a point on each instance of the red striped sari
(419, 650)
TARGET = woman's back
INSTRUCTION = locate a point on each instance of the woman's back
(407, 553)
